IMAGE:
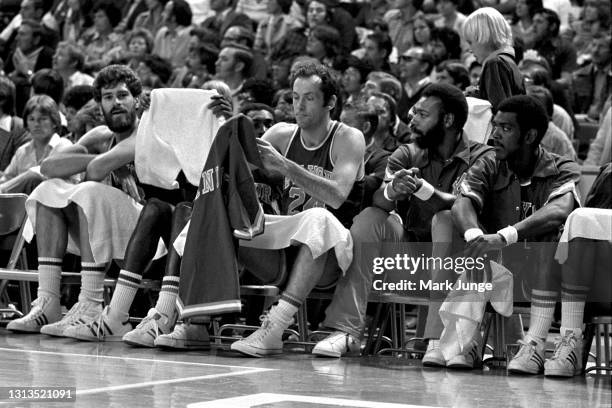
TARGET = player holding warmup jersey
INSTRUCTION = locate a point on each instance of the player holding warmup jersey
(320, 160)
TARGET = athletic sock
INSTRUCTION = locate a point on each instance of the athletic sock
(92, 282)
(542, 311)
(166, 303)
(49, 277)
(127, 286)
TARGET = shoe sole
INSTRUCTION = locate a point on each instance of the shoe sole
(434, 364)
(561, 373)
(52, 333)
(255, 353)
(523, 372)
(105, 339)
(326, 353)
(19, 330)
(136, 343)
(188, 346)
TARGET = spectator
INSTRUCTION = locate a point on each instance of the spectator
(445, 44)
(151, 19)
(401, 23)
(595, 22)
(554, 140)
(256, 91)
(357, 114)
(232, 67)
(322, 44)
(490, 38)
(172, 39)
(378, 48)
(600, 151)
(354, 77)
(384, 136)
(327, 12)
(475, 71)
(35, 10)
(592, 84)
(272, 29)
(42, 122)
(560, 54)
(225, 17)
(86, 119)
(414, 68)
(154, 71)
(522, 21)
(422, 31)
(68, 61)
(244, 36)
(452, 73)
(101, 44)
(449, 16)
(12, 134)
(199, 65)
(283, 106)
(139, 43)
(261, 115)
(77, 20)
(29, 56)
(74, 99)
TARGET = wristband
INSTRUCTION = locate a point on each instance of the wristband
(386, 193)
(425, 191)
(510, 234)
(472, 233)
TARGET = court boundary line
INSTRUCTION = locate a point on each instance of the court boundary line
(247, 401)
(255, 369)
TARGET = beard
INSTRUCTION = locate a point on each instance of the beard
(120, 124)
(431, 138)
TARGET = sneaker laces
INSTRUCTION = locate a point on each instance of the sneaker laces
(527, 349)
(564, 345)
(151, 320)
(97, 326)
(73, 314)
(265, 328)
(38, 306)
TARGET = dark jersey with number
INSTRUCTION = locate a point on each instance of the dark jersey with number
(316, 160)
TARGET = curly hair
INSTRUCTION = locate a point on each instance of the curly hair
(112, 76)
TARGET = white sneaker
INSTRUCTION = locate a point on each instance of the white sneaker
(529, 359)
(185, 336)
(151, 327)
(79, 313)
(567, 359)
(470, 357)
(101, 328)
(337, 344)
(433, 356)
(44, 310)
(267, 340)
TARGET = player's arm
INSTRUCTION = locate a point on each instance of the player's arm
(74, 159)
(332, 192)
(120, 155)
(548, 218)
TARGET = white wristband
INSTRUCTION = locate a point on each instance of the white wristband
(425, 191)
(510, 234)
(386, 193)
(472, 233)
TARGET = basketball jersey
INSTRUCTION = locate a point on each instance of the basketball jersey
(317, 160)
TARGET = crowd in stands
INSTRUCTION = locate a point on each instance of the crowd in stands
(468, 81)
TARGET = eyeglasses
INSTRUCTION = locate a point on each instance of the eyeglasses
(408, 58)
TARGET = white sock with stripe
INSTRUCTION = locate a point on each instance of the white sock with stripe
(125, 291)
(49, 277)
(573, 299)
(166, 303)
(542, 312)
(92, 282)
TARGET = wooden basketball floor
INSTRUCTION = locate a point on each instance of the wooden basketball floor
(117, 375)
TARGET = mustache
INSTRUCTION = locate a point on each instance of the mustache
(118, 110)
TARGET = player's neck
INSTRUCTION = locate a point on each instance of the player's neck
(315, 135)
(132, 131)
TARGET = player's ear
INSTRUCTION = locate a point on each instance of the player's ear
(531, 136)
(331, 104)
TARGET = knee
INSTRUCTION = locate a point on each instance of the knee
(368, 223)
(442, 226)
(155, 208)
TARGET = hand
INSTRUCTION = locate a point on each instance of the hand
(221, 106)
(479, 246)
(270, 157)
(406, 182)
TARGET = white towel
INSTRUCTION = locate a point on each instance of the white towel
(111, 215)
(593, 223)
(175, 134)
(316, 228)
(463, 310)
(478, 125)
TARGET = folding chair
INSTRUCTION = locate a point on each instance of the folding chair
(12, 222)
